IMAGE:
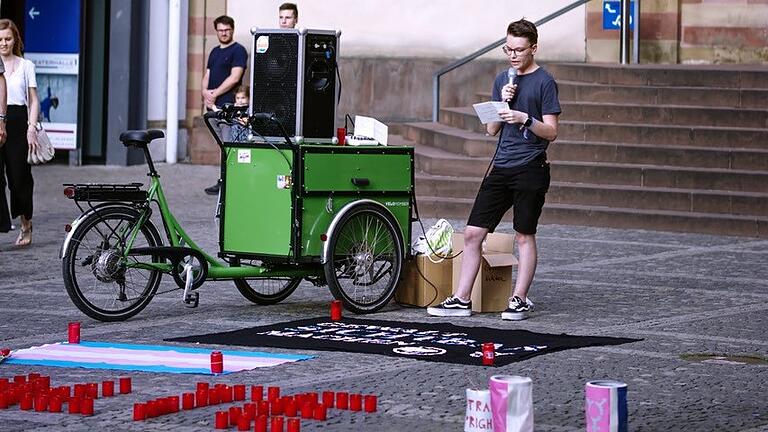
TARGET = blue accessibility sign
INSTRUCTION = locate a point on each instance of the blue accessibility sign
(612, 15)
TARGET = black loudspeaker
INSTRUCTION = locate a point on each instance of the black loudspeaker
(294, 75)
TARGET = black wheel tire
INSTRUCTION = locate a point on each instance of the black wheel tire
(267, 291)
(76, 272)
(366, 232)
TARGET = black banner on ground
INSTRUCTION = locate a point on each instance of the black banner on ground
(438, 342)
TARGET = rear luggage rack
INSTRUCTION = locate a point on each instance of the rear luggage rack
(129, 192)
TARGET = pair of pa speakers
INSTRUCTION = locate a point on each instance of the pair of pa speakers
(295, 76)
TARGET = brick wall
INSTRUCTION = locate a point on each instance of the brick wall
(688, 31)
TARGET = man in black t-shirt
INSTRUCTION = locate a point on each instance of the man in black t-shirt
(520, 174)
(224, 72)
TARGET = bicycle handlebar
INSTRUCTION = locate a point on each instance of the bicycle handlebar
(229, 112)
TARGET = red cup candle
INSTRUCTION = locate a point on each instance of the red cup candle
(73, 332)
(26, 402)
(173, 402)
(202, 386)
(20, 379)
(489, 353)
(328, 399)
(187, 401)
(342, 400)
(313, 396)
(273, 393)
(369, 402)
(125, 385)
(201, 398)
(4, 396)
(217, 362)
(261, 424)
(249, 411)
(356, 402)
(239, 392)
(335, 310)
(41, 403)
(243, 423)
(320, 412)
(276, 407)
(290, 407)
(73, 406)
(108, 388)
(307, 410)
(54, 404)
(92, 390)
(222, 420)
(4, 384)
(257, 393)
(276, 424)
(139, 411)
(32, 377)
(225, 394)
(234, 415)
(86, 407)
(153, 408)
(263, 408)
(214, 396)
(294, 425)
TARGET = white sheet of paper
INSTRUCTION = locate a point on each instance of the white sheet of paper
(489, 111)
(371, 128)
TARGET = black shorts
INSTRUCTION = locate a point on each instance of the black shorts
(522, 188)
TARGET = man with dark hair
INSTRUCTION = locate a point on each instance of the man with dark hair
(288, 15)
(224, 72)
(520, 174)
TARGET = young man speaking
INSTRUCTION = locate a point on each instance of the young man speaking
(520, 175)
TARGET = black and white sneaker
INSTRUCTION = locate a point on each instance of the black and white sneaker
(518, 309)
(452, 306)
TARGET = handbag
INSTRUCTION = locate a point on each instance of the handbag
(44, 151)
(437, 241)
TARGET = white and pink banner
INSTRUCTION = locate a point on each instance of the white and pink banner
(148, 358)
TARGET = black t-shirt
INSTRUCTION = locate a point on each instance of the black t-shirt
(220, 63)
(536, 95)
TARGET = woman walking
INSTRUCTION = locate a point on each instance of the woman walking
(22, 115)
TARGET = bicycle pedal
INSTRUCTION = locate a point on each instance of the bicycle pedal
(192, 299)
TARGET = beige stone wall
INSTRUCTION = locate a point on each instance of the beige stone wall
(420, 28)
(724, 31)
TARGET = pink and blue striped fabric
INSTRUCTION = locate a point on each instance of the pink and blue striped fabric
(146, 358)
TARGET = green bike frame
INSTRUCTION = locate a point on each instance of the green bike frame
(177, 237)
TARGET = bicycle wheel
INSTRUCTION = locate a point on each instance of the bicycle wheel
(365, 259)
(267, 291)
(100, 282)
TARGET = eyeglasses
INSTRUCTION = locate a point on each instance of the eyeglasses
(226, 30)
(516, 51)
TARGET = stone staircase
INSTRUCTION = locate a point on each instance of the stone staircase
(660, 147)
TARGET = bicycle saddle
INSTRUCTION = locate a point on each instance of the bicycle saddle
(140, 137)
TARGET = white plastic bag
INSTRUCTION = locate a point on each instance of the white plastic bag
(437, 241)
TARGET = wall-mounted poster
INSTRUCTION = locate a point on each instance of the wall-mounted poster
(52, 43)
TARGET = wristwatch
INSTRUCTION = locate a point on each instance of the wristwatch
(3, 118)
(528, 121)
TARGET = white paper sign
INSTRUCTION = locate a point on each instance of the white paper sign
(488, 112)
(244, 156)
(371, 128)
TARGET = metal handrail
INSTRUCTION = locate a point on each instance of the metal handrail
(466, 59)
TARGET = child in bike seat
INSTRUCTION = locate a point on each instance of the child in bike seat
(239, 131)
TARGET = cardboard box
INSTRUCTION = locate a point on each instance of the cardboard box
(495, 280)
(414, 290)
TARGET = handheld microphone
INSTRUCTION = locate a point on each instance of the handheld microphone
(512, 76)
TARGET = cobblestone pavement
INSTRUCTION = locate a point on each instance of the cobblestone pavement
(680, 293)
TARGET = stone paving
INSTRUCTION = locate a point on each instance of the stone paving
(680, 293)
